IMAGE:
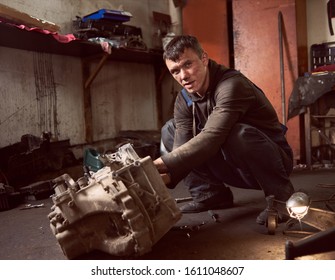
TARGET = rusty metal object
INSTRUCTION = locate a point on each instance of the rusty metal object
(123, 209)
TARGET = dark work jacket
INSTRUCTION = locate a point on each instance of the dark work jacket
(201, 129)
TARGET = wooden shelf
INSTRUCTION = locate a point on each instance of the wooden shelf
(14, 37)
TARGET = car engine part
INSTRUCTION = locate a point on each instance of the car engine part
(122, 209)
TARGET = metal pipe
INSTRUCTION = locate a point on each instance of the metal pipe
(282, 79)
(321, 242)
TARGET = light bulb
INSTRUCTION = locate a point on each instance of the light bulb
(297, 205)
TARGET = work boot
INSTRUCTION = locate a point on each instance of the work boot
(211, 204)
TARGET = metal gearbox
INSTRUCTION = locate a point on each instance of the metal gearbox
(122, 209)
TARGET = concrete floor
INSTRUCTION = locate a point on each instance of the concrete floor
(26, 235)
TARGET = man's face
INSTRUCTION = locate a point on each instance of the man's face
(190, 71)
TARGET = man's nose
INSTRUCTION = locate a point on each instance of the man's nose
(183, 74)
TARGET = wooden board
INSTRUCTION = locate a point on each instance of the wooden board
(17, 17)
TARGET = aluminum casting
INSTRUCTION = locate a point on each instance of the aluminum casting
(122, 209)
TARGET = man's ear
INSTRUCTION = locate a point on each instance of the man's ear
(204, 58)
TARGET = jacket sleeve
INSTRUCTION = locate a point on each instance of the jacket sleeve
(232, 101)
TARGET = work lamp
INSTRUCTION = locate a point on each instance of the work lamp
(297, 205)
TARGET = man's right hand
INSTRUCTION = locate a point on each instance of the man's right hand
(160, 165)
(166, 178)
(163, 170)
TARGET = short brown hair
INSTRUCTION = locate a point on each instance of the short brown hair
(178, 45)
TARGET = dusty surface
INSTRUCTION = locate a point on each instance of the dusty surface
(25, 234)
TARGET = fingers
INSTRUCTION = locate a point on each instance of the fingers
(166, 178)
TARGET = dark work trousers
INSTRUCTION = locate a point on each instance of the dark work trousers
(248, 159)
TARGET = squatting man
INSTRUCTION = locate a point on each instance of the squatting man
(224, 131)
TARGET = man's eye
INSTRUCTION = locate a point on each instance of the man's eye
(175, 72)
(188, 64)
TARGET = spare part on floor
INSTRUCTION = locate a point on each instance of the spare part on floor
(122, 209)
(298, 207)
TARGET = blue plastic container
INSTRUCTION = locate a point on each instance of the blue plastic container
(114, 15)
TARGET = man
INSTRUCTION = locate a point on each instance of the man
(224, 131)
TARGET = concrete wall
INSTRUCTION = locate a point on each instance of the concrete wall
(39, 92)
(212, 32)
(44, 92)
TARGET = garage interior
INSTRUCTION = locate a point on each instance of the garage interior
(69, 97)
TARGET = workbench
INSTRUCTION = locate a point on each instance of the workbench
(313, 96)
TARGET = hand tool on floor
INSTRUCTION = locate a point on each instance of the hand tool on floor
(30, 206)
(183, 199)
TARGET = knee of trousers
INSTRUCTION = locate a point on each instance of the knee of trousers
(243, 138)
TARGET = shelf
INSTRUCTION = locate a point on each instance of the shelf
(14, 37)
